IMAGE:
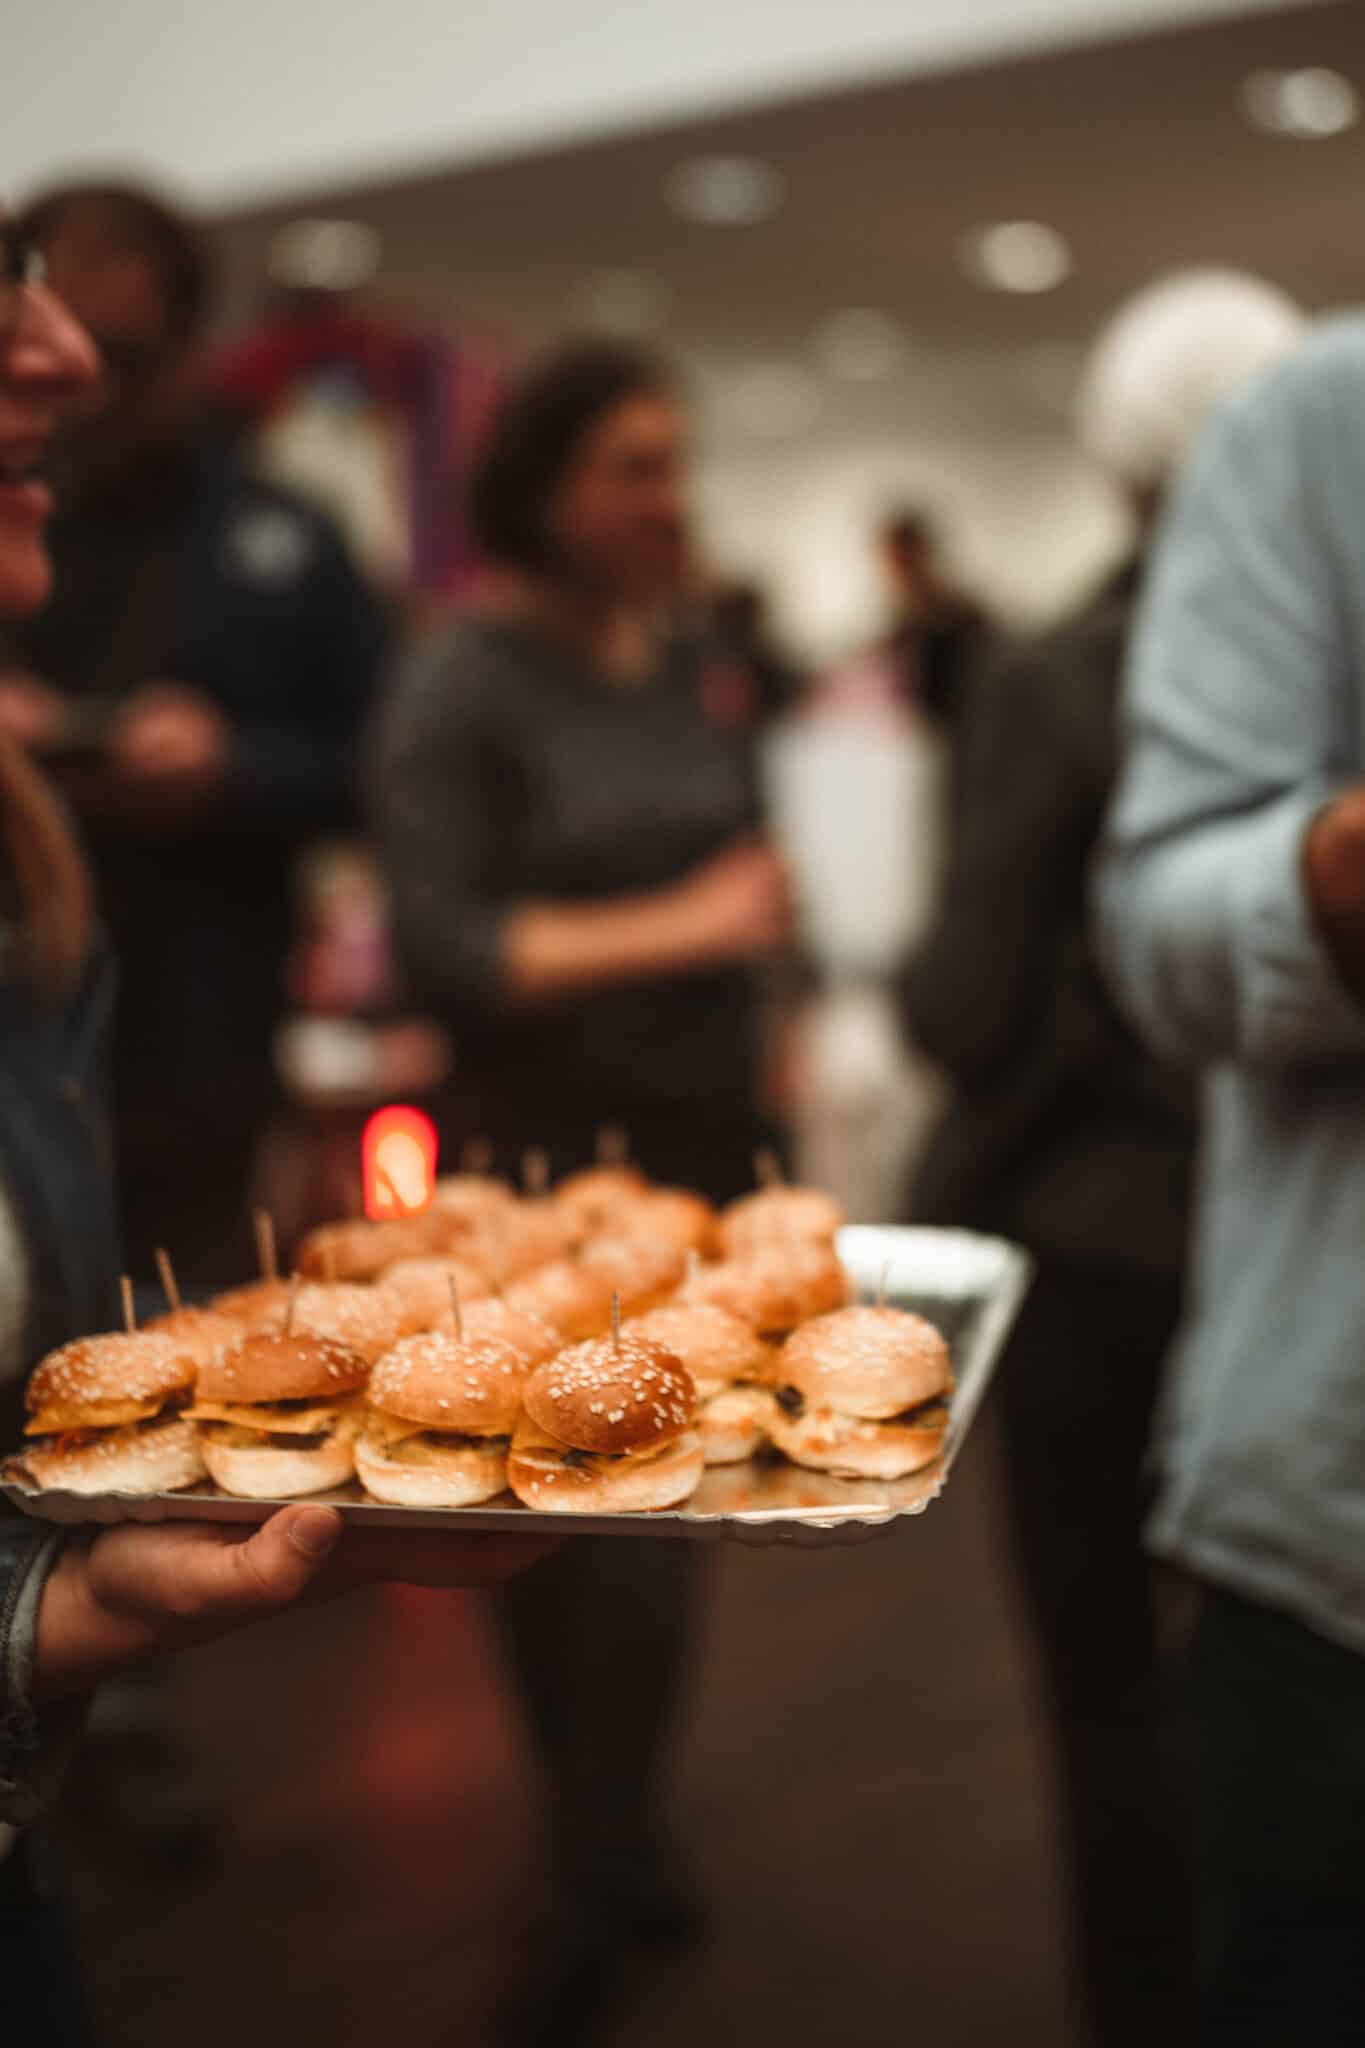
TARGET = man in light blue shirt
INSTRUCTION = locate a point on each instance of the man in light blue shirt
(1232, 910)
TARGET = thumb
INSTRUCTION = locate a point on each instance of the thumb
(276, 1562)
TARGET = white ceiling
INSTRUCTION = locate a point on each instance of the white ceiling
(261, 97)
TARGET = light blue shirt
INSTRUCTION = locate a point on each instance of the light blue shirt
(1245, 713)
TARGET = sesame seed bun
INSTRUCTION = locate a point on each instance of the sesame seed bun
(533, 1340)
(716, 1347)
(258, 1303)
(774, 1214)
(778, 1287)
(106, 1381)
(643, 1272)
(365, 1319)
(676, 1216)
(201, 1332)
(438, 1381)
(870, 1363)
(610, 1396)
(573, 1298)
(360, 1250)
(270, 1366)
(421, 1288)
(471, 1195)
(157, 1456)
(554, 1478)
(593, 1199)
(518, 1239)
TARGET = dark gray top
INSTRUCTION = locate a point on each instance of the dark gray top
(506, 773)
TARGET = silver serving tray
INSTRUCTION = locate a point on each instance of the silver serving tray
(970, 1286)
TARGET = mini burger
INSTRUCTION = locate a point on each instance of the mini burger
(369, 1320)
(599, 1197)
(674, 1216)
(108, 1415)
(730, 1365)
(643, 1272)
(777, 1215)
(421, 1289)
(441, 1411)
(609, 1428)
(360, 1250)
(533, 1340)
(471, 1196)
(256, 1306)
(863, 1393)
(777, 1287)
(572, 1298)
(517, 1239)
(278, 1414)
(202, 1332)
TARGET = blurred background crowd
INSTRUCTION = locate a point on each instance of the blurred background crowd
(595, 590)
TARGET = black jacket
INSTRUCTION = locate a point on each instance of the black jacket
(204, 575)
(1062, 1131)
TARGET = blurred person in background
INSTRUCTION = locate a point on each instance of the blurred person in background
(568, 823)
(76, 1609)
(196, 685)
(937, 633)
(743, 630)
(1233, 913)
(1066, 1134)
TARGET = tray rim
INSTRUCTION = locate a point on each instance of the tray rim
(866, 1247)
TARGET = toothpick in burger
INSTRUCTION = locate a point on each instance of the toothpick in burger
(441, 1410)
(609, 1428)
(278, 1414)
(730, 1364)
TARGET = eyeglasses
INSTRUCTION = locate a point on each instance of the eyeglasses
(21, 266)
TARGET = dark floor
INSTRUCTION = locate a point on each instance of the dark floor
(860, 1784)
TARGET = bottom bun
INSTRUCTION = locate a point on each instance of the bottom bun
(558, 1481)
(736, 1424)
(828, 1442)
(149, 1457)
(267, 1471)
(421, 1474)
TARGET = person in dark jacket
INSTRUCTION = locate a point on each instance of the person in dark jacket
(196, 685)
(77, 1609)
(1065, 1134)
(568, 825)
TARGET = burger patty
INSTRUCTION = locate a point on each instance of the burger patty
(77, 1439)
(428, 1446)
(924, 1415)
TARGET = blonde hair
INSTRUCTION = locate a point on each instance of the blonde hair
(45, 881)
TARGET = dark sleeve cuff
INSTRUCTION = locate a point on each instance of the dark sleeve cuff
(34, 1749)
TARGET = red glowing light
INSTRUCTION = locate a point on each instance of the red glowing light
(398, 1155)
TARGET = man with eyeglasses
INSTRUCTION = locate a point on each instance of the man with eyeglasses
(196, 685)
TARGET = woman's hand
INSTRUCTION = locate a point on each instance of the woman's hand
(129, 1592)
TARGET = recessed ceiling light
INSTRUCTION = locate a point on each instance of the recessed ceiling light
(628, 303)
(861, 344)
(1310, 105)
(771, 400)
(726, 191)
(1016, 256)
(325, 255)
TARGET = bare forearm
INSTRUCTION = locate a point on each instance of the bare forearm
(550, 950)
